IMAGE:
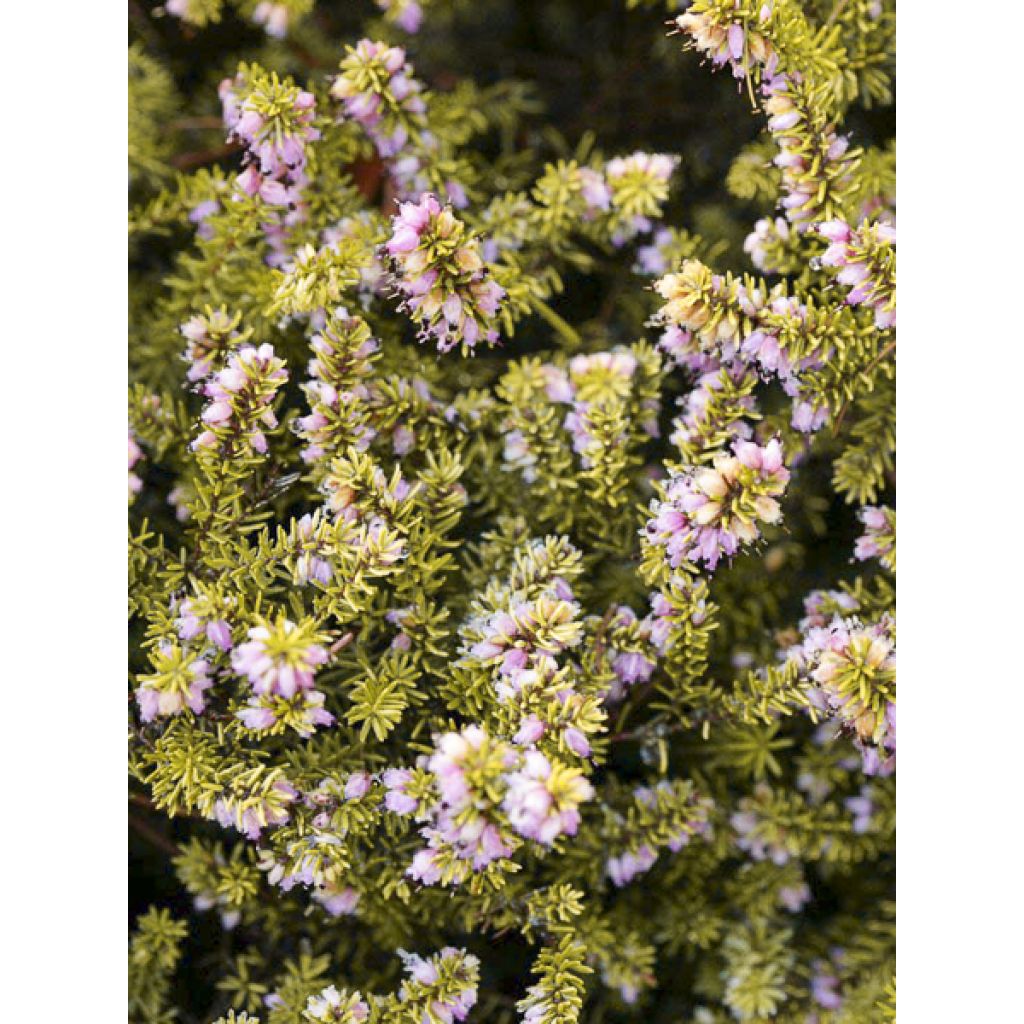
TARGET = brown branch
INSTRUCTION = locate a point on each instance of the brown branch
(152, 836)
(188, 161)
(185, 124)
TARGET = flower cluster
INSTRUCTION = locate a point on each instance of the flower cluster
(594, 380)
(637, 188)
(677, 610)
(210, 337)
(527, 637)
(178, 681)
(486, 792)
(333, 1007)
(709, 309)
(707, 513)
(865, 260)
(715, 411)
(400, 797)
(200, 616)
(851, 674)
(756, 833)
(443, 988)
(523, 638)
(543, 798)
(343, 355)
(280, 660)
(815, 161)
(444, 282)
(273, 121)
(631, 650)
(366, 231)
(252, 809)
(662, 816)
(724, 41)
(378, 91)
(463, 834)
(242, 395)
(724, 323)
(879, 537)
(310, 549)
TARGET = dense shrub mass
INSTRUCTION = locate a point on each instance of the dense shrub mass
(511, 485)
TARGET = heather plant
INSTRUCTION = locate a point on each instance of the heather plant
(511, 497)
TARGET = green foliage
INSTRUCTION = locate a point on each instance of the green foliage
(153, 955)
(413, 518)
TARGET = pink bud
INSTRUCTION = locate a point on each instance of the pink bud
(736, 37)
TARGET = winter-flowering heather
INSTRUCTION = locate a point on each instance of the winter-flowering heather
(556, 683)
(279, 658)
(337, 1007)
(442, 278)
(378, 91)
(879, 537)
(864, 259)
(177, 683)
(542, 801)
(241, 398)
(273, 120)
(707, 514)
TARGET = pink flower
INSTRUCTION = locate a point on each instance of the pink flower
(278, 660)
(357, 785)
(337, 902)
(178, 681)
(397, 800)
(424, 867)
(134, 454)
(624, 868)
(542, 802)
